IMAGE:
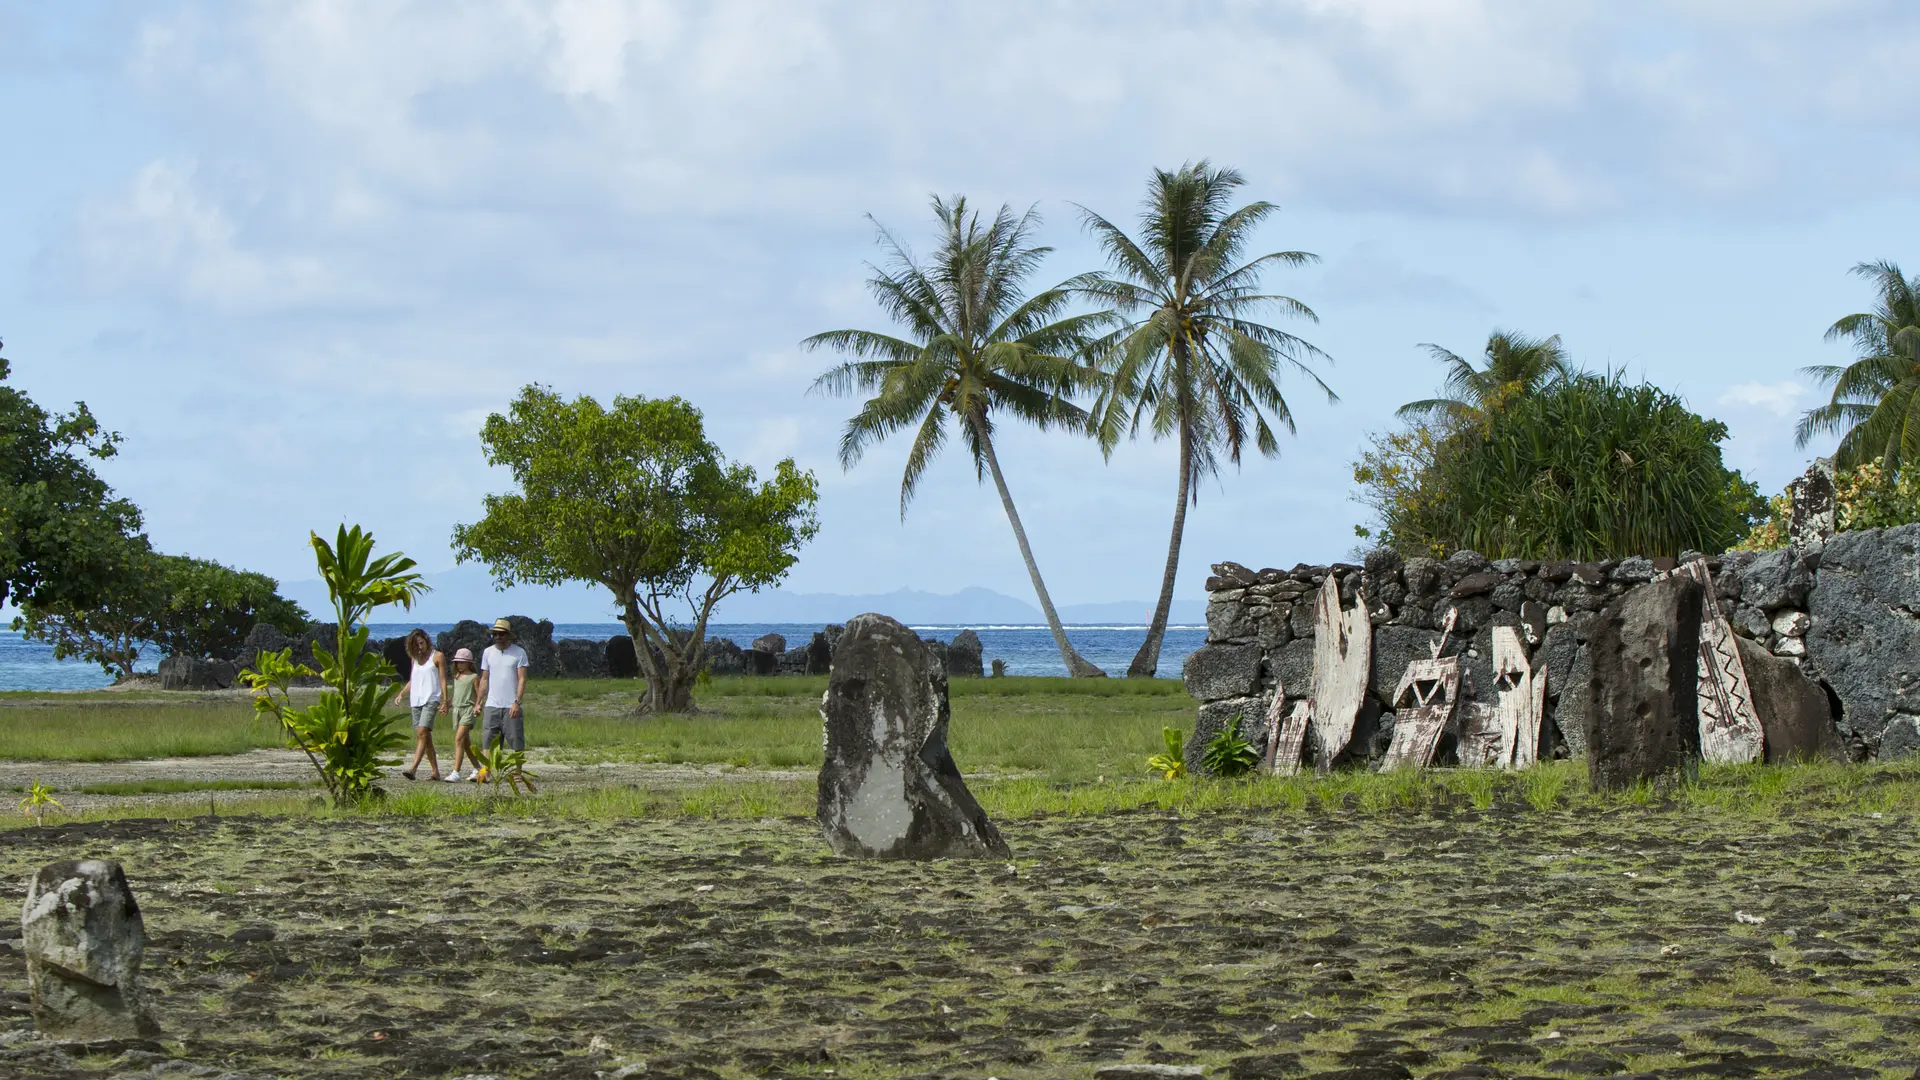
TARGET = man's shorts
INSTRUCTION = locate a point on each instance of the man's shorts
(423, 715)
(501, 723)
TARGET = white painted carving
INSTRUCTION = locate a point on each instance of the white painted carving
(1729, 727)
(1480, 736)
(1517, 700)
(1342, 663)
(1423, 703)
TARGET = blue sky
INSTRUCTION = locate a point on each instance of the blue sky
(297, 251)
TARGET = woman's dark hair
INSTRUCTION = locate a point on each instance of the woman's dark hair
(419, 646)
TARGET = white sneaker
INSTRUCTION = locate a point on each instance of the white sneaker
(452, 777)
(472, 775)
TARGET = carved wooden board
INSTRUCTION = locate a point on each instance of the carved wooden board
(1480, 736)
(1285, 760)
(1276, 717)
(1539, 714)
(1515, 699)
(1342, 662)
(1422, 703)
(1729, 727)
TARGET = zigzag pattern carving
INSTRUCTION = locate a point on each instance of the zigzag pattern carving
(1729, 727)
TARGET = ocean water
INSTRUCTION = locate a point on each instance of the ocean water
(1028, 650)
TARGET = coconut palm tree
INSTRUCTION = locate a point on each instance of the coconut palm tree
(1515, 365)
(1875, 408)
(1186, 358)
(975, 347)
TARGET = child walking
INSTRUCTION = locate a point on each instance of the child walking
(466, 709)
(425, 697)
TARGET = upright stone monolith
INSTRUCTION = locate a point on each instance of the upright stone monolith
(1812, 505)
(1642, 700)
(82, 933)
(888, 787)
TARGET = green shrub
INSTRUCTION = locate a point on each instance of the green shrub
(348, 730)
(1229, 755)
(1172, 764)
(1593, 468)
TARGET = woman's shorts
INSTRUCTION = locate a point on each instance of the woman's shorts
(423, 715)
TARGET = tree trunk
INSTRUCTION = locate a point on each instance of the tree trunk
(669, 682)
(1077, 665)
(1146, 662)
(671, 692)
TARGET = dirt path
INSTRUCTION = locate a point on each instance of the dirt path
(278, 767)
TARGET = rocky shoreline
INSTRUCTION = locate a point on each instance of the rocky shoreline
(566, 658)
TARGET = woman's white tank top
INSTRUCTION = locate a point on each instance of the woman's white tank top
(426, 683)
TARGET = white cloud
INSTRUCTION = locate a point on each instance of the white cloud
(161, 234)
(385, 216)
(1781, 399)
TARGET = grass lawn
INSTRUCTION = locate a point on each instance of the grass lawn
(102, 727)
(1063, 729)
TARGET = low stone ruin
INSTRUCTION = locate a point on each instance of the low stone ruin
(547, 658)
(888, 786)
(1808, 652)
(83, 937)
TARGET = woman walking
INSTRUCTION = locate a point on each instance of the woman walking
(425, 696)
(466, 709)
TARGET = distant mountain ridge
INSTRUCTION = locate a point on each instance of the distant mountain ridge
(467, 593)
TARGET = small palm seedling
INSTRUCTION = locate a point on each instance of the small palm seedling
(1170, 765)
(1228, 754)
(498, 763)
(39, 797)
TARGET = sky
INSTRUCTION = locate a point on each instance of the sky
(296, 252)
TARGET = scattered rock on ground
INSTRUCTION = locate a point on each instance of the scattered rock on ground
(819, 654)
(196, 673)
(83, 936)
(622, 661)
(581, 659)
(964, 656)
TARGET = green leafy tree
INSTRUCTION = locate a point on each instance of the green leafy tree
(1188, 359)
(65, 540)
(1593, 468)
(976, 347)
(1394, 479)
(1875, 407)
(347, 731)
(635, 498)
(182, 605)
(1515, 366)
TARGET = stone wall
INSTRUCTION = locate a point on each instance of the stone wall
(1846, 614)
(566, 658)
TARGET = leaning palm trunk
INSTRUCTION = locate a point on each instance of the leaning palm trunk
(1077, 665)
(1146, 662)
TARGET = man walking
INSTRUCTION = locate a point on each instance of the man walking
(503, 683)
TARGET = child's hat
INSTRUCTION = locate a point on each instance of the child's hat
(464, 656)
